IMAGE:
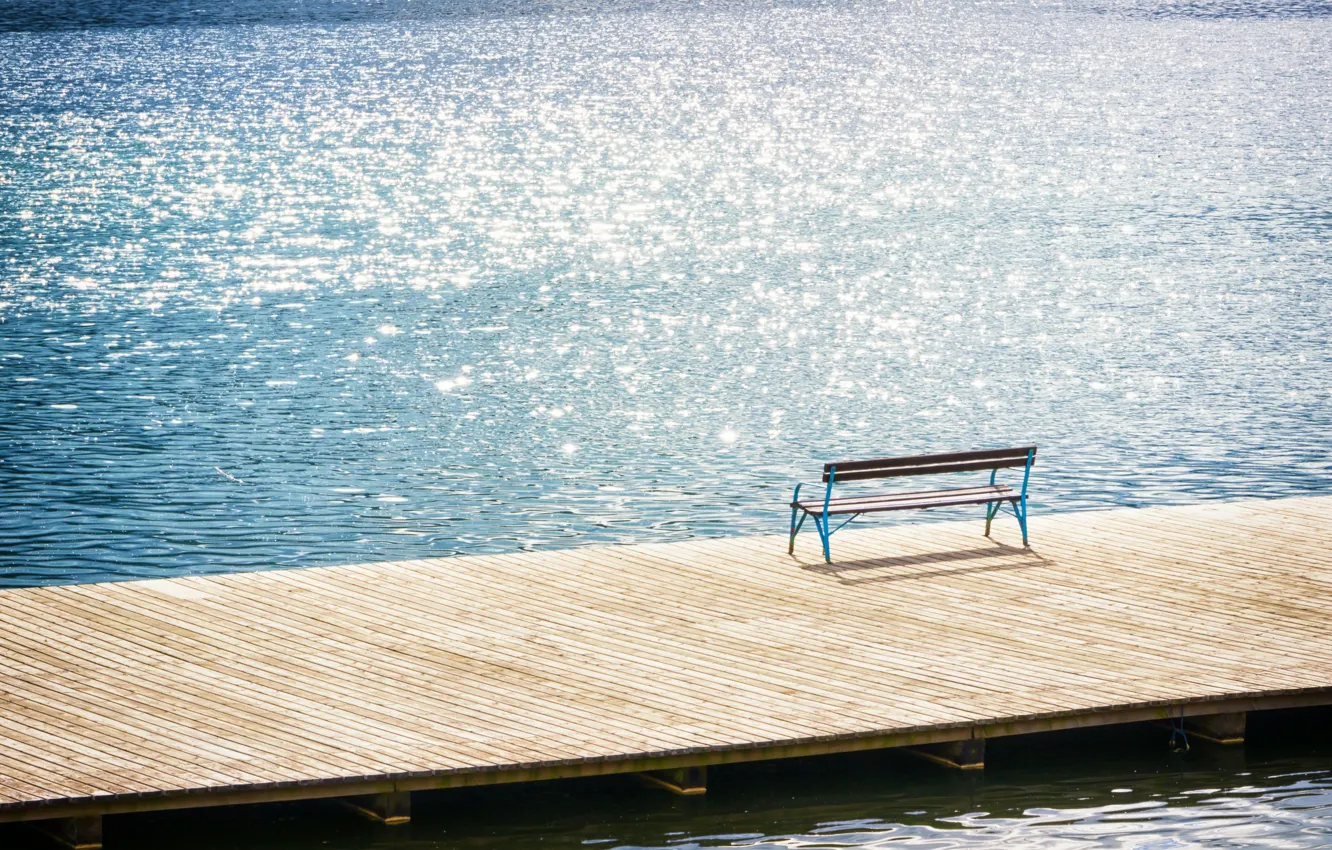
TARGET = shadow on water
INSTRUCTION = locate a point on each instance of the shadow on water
(1222, 9)
(38, 15)
(1112, 783)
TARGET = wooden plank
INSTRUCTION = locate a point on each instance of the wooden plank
(932, 459)
(388, 677)
(635, 764)
(929, 469)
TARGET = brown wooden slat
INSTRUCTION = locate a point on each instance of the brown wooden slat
(870, 506)
(918, 495)
(183, 691)
(928, 460)
(930, 469)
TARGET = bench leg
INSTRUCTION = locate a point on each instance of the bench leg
(795, 529)
(1019, 509)
(991, 508)
(824, 533)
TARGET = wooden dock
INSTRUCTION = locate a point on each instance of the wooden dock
(381, 679)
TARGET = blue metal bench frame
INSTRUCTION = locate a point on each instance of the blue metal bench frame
(993, 495)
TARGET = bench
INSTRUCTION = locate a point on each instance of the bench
(992, 495)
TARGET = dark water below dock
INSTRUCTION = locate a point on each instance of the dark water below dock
(1116, 787)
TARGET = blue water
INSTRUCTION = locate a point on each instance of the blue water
(318, 281)
(314, 282)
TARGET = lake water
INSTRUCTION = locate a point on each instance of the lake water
(298, 283)
(316, 281)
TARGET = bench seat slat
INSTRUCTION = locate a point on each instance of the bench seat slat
(910, 501)
(1002, 462)
(913, 495)
(928, 460)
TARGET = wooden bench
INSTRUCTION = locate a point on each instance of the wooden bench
(992, 495)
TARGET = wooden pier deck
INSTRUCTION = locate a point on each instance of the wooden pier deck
(392, 677)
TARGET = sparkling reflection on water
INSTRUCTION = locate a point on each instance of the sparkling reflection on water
(295, 284)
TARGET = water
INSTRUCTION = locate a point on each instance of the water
(330, 280)
(1107, 788)
(314, 282)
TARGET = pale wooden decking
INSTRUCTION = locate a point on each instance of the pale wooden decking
(304, 683)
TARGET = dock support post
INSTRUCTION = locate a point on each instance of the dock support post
(1218, 728)
(75, 833)
(392, 808)
(686, 781)
(968, 754)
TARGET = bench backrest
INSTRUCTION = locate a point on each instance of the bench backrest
(893, 467)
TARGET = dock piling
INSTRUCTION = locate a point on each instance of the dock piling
(81, 833)
(685, 781)
(392, 808)
(1218, 728)
(967, 754)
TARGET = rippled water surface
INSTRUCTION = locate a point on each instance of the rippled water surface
(293, 283)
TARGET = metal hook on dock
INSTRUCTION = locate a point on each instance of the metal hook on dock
(1179, 739)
